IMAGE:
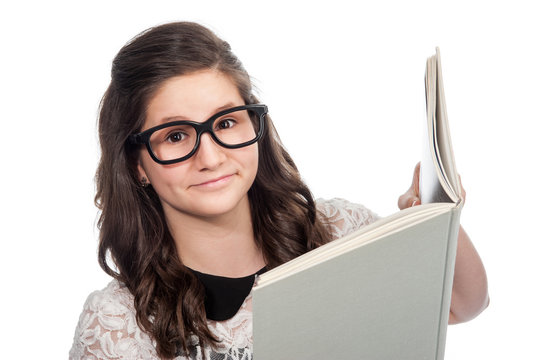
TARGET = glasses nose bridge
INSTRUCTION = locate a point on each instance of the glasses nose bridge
(204, 127)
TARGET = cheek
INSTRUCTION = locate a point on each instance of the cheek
(252, 160)
(162, 176)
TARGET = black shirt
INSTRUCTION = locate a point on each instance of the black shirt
(223, 295)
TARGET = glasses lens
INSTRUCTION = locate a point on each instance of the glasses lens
(237, 127)
(173, 142)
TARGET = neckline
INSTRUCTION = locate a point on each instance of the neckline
(226, 278)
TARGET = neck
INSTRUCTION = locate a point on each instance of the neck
(221, 245)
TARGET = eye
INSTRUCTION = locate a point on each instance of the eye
(176, 136)
(225, 124)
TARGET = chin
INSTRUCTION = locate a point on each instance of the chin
(214, 206)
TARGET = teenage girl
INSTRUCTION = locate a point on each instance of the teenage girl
(197, 196)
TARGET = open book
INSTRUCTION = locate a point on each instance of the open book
(382, 292)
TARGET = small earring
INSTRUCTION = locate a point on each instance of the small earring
(144, 182)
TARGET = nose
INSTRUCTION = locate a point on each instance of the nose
(209, 155)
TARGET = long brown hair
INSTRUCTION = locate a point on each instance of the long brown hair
(135, 246)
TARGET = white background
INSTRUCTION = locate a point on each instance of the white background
(344, 85)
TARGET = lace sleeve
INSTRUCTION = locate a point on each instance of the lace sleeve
(343, 217)
(107, 328)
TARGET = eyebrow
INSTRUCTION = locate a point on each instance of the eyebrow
(181, 117)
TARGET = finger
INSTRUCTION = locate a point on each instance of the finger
(403, 201)
(408, 199)
(415, 182)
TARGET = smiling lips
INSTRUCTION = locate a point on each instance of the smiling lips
(222, 180)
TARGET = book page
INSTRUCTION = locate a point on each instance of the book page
(443, 134)
(438, 181)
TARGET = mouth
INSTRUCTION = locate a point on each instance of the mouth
(216, 182)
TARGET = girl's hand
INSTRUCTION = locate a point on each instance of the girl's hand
(412, 198)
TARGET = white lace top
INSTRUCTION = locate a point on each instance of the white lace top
(107, 328)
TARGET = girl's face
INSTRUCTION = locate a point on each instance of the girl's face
(215, 180)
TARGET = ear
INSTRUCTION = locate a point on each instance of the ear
(141, 171)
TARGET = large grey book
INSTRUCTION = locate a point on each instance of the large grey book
(382, 292)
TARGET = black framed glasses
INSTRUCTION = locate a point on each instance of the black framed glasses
(177, 141)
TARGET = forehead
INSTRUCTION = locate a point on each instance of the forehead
(195, 96)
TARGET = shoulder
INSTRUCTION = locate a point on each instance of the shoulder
(107, 327)
(115, 298)
(343, 217)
